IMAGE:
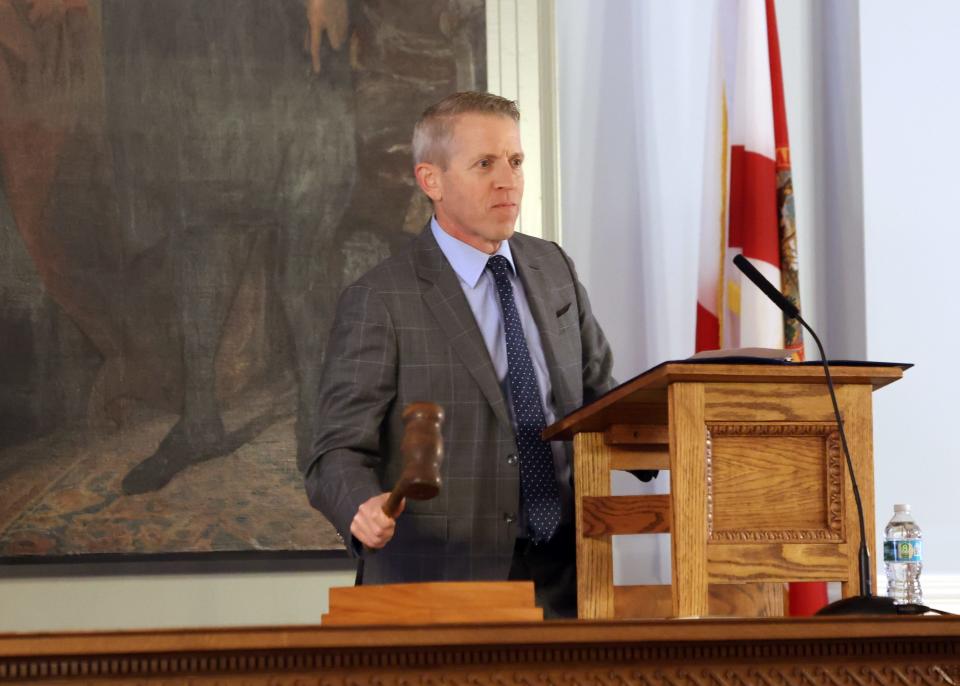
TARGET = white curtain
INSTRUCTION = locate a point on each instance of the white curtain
(632, 92)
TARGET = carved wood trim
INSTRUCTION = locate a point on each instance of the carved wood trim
(835, 474)
(833, 530)
(872, 661)
(708, 456)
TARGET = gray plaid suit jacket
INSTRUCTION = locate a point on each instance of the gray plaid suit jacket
(404, 332)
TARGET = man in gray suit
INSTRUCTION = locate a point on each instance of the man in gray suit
(494, 327)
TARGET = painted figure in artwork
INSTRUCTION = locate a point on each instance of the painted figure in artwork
(194, 181)
(204, 152)
(226, 151)
(44, 79)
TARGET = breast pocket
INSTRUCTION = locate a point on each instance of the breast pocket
(567, 318)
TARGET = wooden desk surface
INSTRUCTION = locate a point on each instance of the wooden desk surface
(649, 388)
(895, 650)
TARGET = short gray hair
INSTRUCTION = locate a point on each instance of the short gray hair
(434, 128)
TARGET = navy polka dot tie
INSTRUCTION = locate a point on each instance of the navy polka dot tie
(538, 480)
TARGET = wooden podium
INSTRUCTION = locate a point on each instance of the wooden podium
(759, 492)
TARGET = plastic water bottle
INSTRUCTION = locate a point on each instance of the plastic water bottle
(903, 556)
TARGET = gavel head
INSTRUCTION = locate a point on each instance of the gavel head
(422, 450)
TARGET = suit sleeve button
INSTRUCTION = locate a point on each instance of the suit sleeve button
(509, 517)
(512, 459)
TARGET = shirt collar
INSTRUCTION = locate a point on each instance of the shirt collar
(467, 261)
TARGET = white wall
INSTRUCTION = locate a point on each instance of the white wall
(165, 595)
(911, 110)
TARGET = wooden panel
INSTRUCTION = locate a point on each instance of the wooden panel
(625, 514)
(439, 594)
(767, 402)
(776, 482)
(747, 600)
(855, 406)
(433, 602)
(642, 601)
(639, 406)
(689, 511)
(591, 458)
(639, 458)
(433, 615)
(610, 409)
(637, 434)
(725, 600)
(638, 446)
(729, 562)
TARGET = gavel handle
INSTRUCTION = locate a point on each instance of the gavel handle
(391, 507)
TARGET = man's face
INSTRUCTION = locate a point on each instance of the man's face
(477, 196)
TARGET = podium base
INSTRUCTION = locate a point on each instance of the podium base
(434, 602)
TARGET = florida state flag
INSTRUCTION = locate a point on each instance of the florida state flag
(748, 200)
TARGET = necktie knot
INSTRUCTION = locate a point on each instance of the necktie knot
(499, 266)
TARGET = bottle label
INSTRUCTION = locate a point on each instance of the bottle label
(903, 550)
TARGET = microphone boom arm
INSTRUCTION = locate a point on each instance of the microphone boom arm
(865, 602)
(866, 575)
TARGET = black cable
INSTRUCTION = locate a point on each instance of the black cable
(866, 574)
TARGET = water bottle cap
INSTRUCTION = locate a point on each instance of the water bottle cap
(901, 507)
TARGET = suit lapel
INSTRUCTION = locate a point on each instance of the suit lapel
(540, 292)
(445, 299)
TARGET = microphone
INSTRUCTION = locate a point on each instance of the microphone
(760, 281)
(865, 603)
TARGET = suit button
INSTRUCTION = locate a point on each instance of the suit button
(512, 459)
(509, 517)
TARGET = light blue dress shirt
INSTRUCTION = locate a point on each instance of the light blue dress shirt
(481, 292)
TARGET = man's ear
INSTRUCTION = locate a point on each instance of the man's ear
(429, 179)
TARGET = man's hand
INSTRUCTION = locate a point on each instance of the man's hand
(371, 526)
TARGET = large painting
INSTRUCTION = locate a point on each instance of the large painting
(185, 187)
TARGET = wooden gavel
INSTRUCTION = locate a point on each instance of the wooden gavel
(422, 450)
